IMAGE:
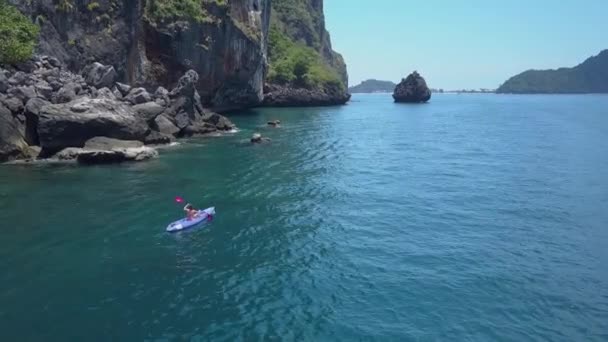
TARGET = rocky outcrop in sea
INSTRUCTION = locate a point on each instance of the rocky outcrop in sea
(412, 89)
(45, 109)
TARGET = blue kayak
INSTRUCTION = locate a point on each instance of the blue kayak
(203, 215)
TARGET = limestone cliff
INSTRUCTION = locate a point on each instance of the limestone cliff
(152, 42)
(304, 69)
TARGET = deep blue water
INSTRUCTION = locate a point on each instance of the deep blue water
(471, 218)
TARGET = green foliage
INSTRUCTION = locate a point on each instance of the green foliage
(298, 19)
(18, 35)
(298, 65)
(93, 6)
(65, 5)
(168, 10)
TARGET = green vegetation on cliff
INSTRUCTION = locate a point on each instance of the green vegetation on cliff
(296, 64)
(18, 35)
(590, 76)
(167, 10)
(299, 47)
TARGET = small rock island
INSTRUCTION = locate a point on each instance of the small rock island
(412, 89)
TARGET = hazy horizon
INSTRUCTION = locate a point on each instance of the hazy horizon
(475, 45)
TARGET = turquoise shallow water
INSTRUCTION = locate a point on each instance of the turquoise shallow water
(474, 217)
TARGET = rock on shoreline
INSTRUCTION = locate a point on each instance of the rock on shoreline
(283, 96)
(52, 109)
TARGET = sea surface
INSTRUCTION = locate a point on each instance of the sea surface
(470, 218)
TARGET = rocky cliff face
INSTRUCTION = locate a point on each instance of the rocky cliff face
(298, 29)
(152, 42)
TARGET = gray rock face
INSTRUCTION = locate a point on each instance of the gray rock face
(32, 112)
(3, 82)
(285, 96)
(14, 104)
(72, 124)
(138, 96)
(99, 75)
(43, 89)
(165, 126)
(105, 93)
(230, 58)
(18, 79)
(123, 88)
(412, 89)
(157, 138)
(23, 93)
(105, 143)
(79, 112)
(67, 93)
(12, 141)
(149, 110)
(117, 155)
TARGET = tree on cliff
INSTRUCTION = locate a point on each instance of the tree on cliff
(18, 35)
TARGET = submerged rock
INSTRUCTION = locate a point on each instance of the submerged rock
(257, 138)
(274, 123)
(412, 89)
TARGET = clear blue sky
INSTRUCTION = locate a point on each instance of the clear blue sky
(466, 43)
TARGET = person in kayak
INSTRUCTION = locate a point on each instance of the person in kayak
(191, 213)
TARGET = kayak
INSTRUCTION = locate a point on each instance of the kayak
(203, 215)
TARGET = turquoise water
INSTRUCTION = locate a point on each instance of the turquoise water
(474, 217)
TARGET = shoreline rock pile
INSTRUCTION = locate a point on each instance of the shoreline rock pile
(45, 109)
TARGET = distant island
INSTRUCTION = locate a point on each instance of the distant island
(591, 76)
(373, 86)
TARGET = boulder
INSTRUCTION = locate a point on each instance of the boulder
(105, 143)
(32, 112)
(73, 123)
(149, 110)
(4, 85)
(12, 141)
(103, 150)
(186, 86)
(23, 93)
(412, 89)
(99, 75)
(123, 88)
(91, 157)
(43, 89)
(138, 95)
(54, 62)
(117, 94)
(14, 104)
(164, 125)
(105, 93)
(161, 93)
(199, 128)
(157, 138)
(219, 121)
(18, 79)
(66, 94)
